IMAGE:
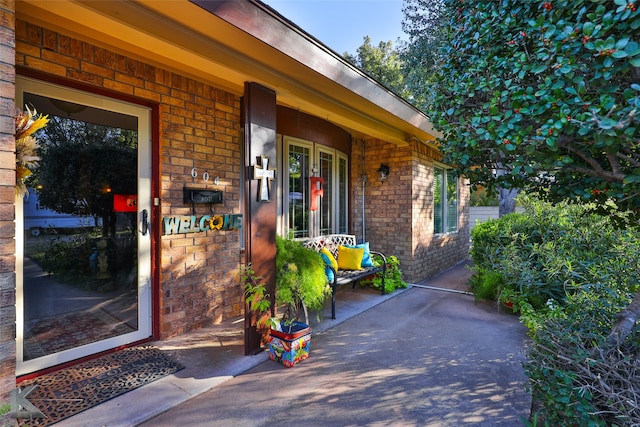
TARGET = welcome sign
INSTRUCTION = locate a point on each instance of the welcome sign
(194, 224)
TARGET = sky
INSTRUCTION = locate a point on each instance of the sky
(343, 24)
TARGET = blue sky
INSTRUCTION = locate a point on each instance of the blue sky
(343, 24)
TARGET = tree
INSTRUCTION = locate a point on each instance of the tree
(421, 54)
(382, 63)
(543, 95)
(423, 57)
(83, 165)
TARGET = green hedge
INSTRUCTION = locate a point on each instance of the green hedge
(568, 272)
(550, 251)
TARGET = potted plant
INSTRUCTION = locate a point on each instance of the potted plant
(257, 300)
(301, 285)
(289, 343)
(301, 282)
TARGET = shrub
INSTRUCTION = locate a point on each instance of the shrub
(486, 284)
(300, 275)
(572, 374)
(551, 251)
(569, 272)
(68, 258)
(393, 277)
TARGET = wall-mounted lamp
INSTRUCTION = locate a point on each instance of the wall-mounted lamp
(383, 170)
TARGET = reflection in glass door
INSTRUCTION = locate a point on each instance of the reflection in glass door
(298, 189)
(83, 280)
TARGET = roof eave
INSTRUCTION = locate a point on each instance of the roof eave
(239, 41)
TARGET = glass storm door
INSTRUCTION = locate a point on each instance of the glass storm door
(298, 189)
(83, 274)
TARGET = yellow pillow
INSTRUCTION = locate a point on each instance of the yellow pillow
(350, 258)
(328, 256)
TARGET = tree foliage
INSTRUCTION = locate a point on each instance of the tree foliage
(542, 95)
(82, 165)
(421, 55)
(381, 62)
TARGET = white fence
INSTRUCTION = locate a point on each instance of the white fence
(483, 213)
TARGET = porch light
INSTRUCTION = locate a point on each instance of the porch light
(383, 171)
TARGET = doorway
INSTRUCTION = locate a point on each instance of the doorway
(83, 242)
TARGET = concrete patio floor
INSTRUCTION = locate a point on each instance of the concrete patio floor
(417, 357)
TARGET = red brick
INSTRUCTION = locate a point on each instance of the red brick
(197, 120)
(118, 87)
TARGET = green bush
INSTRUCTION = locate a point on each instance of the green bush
(300, 275)
(486, 284)
(68, 258)
(393, 276)
(569, 271)
(573, 375)
(550, 251)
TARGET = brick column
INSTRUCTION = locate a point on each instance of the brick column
(7, 201)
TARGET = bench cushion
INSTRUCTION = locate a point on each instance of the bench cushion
(350, 258)
(328, 258)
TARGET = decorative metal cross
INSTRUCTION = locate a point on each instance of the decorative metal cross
(264, 175)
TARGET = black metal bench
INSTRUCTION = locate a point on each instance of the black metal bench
(341, 277)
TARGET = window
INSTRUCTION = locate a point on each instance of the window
(445, 201)
(298, 201)
(325, 160)
(306, 160)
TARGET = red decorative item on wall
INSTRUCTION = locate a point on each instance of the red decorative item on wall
(317, 189)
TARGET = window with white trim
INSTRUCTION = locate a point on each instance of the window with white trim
(304, 160)
(445, 201)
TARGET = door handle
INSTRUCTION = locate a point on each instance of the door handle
(145, 222)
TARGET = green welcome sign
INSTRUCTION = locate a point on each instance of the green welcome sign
(194, 224)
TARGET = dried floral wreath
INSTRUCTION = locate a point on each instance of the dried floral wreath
(27, 123)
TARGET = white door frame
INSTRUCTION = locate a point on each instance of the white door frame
(144, 331)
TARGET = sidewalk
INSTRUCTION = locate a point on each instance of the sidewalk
(417, 357)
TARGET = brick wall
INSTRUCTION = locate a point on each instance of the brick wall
(7, 196)
(434, 253)
(399, 211)
(388, 203)
(355, 178)
(199, 128)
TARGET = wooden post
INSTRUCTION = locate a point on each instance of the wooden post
(259, 108)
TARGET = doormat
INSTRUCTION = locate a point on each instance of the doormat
(69, 391)
(62, 332)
